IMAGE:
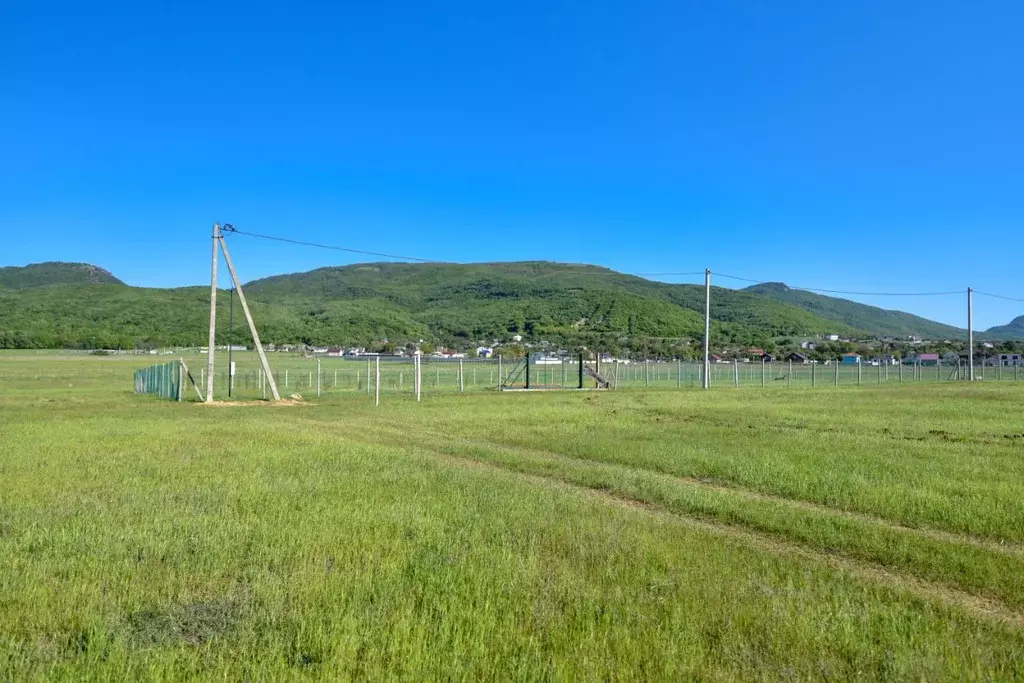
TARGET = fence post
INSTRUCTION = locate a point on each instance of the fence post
(860, 370)
(181, 379)
(789, 377)
(735, 372)
(901, 371)
(462, 383)
(647, 372)
(679, 373)
(500, 380)
(367, 376)
(376, 385)
(318, 378)
(812, 374)
(762, 372)
(835, 382)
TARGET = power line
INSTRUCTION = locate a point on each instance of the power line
(232, 229)
(840, 291)
(999, 296)
(696, 272)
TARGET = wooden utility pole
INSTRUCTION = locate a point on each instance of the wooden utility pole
(707, 328)
(970, 338)
(248, 319)
(213, 315)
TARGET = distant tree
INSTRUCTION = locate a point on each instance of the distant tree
(511, 351)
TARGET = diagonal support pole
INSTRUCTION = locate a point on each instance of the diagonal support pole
(248, 319)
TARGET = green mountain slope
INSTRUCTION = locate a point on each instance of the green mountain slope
(870, 319)
(1012, 330)
(54, 272)
(539, 297)
(49, 305)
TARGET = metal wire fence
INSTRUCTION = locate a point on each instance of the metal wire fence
(328, 376)
(163, 380)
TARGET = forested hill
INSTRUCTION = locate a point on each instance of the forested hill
(870, 319)
(1013, 330)
(80, 306)
(544, 299)
(54, 272)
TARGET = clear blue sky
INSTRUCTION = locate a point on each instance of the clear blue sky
(861, 146)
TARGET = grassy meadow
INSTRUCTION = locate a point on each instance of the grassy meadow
(852, 533)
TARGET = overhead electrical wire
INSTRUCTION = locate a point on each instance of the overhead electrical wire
(349, 250)
(998, 296)
(233, 230)
(840, 291)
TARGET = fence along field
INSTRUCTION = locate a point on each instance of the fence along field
(299, 375)
(732, 535)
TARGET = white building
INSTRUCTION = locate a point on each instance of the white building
(1007, 360)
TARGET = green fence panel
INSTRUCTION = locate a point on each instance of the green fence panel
(162, 380)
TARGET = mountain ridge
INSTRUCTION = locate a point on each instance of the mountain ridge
(872, 319)
(54, 272)
(80, 305)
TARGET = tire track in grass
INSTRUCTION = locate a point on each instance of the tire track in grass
(1007, 547)
(753, 495)
(902, 556)
(977, 606)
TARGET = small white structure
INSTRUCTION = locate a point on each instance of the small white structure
(484, 352)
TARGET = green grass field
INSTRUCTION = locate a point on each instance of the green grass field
(866, 533)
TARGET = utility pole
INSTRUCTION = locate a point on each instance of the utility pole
(248, 318)
(231, 341)
(970, 338)
(707, 328)
(213, 314)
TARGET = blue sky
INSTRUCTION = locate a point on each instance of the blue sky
(865, 146)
